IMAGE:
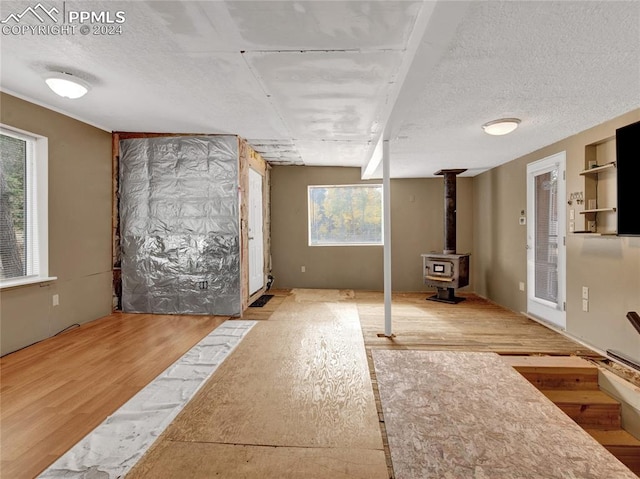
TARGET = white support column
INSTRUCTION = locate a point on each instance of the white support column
(386, 201)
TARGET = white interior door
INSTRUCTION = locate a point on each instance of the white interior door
(546, 239)
(256, 254)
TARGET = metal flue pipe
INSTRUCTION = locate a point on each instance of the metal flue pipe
(450, 208)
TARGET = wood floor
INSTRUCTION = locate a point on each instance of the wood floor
(472, 325)
(54, 392)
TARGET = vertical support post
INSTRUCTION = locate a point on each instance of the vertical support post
(386, 223)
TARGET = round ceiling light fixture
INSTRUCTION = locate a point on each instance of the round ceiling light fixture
(501, 126)
(67, 85)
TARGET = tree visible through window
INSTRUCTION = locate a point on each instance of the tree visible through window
(13, 234)
(345, 215)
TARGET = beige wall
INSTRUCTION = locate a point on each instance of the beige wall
(79, 229)
(609, 266)
(417, 209)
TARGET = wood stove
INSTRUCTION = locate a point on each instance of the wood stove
(449, 270)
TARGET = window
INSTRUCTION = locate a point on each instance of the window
(23, 208)
(345, 215)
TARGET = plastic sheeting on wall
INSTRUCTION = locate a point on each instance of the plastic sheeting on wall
(179, 221)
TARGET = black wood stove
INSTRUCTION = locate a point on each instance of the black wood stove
(447, 271)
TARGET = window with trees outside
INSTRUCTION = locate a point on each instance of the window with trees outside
(342, 215)
(23, 208)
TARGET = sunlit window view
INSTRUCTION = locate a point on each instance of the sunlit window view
(345, 215)
(13, 237)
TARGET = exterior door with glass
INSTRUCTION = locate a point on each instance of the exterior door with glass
(546, 239)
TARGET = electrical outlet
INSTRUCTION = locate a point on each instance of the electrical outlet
(55, 300)
(303, 269)
(521, 286)
(572, 227)
(585, 292)
(585, 305)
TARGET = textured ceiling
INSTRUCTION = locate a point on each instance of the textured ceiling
(318, 82)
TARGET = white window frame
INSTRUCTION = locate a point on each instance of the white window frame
(37, 224)
(361, 185)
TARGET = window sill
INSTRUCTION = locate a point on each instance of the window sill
(314, 245)
(14, 283)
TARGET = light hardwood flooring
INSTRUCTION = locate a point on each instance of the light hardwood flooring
(54, 392)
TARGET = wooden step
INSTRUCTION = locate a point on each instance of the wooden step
(622, 445)
(556, 372)
(590, 409)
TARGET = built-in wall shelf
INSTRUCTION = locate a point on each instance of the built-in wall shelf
(597, 169)
(598, 210)
(600, 189)
(609, 234)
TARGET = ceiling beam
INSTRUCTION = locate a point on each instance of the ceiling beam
(435, 27)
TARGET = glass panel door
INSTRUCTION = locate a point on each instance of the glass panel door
(546, 236)
(546, 239)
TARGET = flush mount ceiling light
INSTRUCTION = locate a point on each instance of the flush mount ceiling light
(66, 85)
(501, 127)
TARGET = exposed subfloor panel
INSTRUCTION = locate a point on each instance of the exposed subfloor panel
(294, 400)
(460, 415)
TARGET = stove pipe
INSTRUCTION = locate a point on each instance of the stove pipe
(450, 209)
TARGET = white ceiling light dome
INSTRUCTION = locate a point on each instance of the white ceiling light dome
(67, 85)
(501, 126)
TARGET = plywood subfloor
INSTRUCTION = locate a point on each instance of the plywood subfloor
(469, 415)
(205, 460)
(474, 324)
(80, 377)
(57, 391)
(295, 396)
